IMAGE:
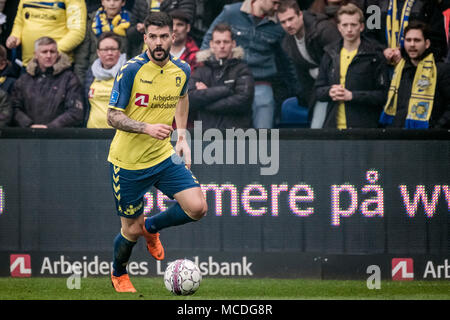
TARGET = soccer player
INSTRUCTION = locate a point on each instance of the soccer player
(148, 92)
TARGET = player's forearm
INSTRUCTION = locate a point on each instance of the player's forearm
(119, 120)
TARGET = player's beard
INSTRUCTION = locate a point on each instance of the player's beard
(165, 55)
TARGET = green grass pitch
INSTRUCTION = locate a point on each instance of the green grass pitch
(99, 288)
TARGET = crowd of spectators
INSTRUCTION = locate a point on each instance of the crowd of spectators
(345, 63)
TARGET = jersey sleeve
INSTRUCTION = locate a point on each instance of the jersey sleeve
(184, 90)
(76, 14)
(123, 85)
(187, 71)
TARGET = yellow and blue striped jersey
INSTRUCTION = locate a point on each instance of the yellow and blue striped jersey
(148, 93)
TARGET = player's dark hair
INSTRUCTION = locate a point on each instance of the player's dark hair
(159, 19)
(418, 25)
(288, 4)
(223, 27)
(109, 35)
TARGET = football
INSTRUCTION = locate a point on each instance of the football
(182, 277)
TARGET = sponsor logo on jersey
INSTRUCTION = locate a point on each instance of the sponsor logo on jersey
(141, 100)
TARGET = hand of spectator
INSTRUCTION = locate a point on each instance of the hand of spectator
(200, 85)
(392, 55)
(38, 126)
(158, 131)
(12, 42)
(339, 93)
(140, 27)
(344, 95)
(396, 56)
(388, 54)
(334, 91)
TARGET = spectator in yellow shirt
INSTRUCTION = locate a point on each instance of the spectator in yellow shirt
(100, 79)
(353, 77)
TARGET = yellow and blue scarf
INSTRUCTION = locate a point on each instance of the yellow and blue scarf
(119, 24)
(154, 5)
(396, 23)
(422, 95)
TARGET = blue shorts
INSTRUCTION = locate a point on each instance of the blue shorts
(130, 186)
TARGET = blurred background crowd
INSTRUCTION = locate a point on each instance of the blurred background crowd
(255, 63)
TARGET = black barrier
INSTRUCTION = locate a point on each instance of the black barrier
(303, 195)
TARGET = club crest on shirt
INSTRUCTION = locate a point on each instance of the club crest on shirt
(178, 81)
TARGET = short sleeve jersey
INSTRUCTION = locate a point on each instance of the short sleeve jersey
(146, 92)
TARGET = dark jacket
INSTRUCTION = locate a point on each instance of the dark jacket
(366, 78)
(188, 6)
(428, 11)
(227, 103)
(319, 32)
(86, 87)
(5, 109)
(8, 76)
(53, 97)
(440, 114)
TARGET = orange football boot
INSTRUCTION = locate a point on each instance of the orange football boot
(154, 245)
(122, 283)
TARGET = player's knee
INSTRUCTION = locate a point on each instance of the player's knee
(132, 232)
(198, 209)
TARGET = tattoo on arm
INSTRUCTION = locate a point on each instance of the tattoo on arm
(119, 120)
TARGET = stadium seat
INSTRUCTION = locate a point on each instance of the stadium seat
(293, 115)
